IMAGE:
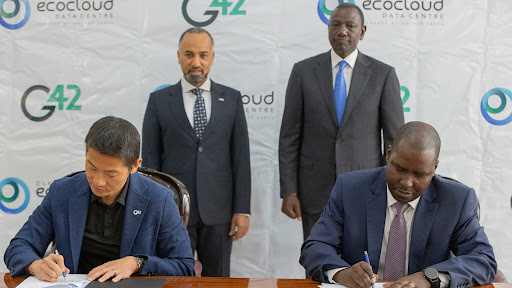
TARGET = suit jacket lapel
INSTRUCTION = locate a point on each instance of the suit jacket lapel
(376, 217)
(323, 74)
(178, 109)
(360, 76)
(423, 220)
(78, 208)
(135, 210)
(216, 94)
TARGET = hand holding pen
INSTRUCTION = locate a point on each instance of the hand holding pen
(64, 270)
(360, 275)
(48, 269)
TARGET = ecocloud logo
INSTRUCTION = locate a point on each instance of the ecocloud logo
(495, 102)
(14, 14)
(13, 195)
(323, 11)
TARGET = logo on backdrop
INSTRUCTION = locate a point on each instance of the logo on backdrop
(79, 12)
(500, 117)
(405, 97)
(14, 14)
(323, 11)
(65, 98)
(259, 106)
(15, 184)
(392, 12)
(223, 5)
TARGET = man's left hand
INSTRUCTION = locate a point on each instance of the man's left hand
(416, 280)
(239, 226)
(119, 269)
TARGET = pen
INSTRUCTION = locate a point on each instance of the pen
(64, 272)
(367, 260)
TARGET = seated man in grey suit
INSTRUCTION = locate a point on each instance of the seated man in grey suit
(410, 220)
(109, 222)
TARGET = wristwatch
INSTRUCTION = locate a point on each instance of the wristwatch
(140, 261)
(432, 276)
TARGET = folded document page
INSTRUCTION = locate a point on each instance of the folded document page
(74, 281)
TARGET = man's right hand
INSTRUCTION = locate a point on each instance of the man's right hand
(359, 275)
(291, 206)
(48, 269)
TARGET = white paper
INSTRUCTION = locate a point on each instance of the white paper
(325, 285)
(74, 281)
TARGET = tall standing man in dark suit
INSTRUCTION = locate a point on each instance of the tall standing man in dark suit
(338, 104)
(420, 230)
(196, 131)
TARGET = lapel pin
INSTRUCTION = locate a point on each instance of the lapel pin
(221, 99)
(136, 212)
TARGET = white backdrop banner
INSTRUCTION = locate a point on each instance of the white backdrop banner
(66, 63)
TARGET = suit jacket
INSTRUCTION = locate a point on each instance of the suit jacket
(313, 148)
(216, 169)
(445, 221)
(157, 232)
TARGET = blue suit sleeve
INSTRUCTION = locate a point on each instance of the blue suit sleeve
(240, 162)
(173, 253)
(474, 263)
(31, 241)
(151, 137)
(320, 251)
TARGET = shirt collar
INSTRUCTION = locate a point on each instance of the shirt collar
(392, 200)
(350, 59)
(121, 198)
(186, 86)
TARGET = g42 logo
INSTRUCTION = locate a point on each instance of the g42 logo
(323, 11)
(58, 96)
(405, 97)
(223, 4)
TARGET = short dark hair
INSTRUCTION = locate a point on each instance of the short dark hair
(195, 30)
(348, 5)
(114, 137)
(418, 135)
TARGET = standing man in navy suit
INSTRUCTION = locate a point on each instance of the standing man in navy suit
(109, 222)
(420, 230)
(338, 107)
(196, 131)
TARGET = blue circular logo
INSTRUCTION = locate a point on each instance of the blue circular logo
(486, 109)
(8, 15)
(14, 182)
(322, 10)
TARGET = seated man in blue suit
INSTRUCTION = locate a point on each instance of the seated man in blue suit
(109, 222)
(410, 221)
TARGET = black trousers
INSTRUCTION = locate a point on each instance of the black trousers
(213, 246)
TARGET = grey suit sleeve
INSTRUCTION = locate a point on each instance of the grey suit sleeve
(240, 162)
(151, 137)
(290, 137)
(391, 110)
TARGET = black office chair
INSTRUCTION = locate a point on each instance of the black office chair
(181, 195)
(500, 277)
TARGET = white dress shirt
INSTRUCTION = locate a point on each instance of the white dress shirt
(347, 72)
(189, 98)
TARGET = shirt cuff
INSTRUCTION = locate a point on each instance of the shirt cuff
(445, 280)
(330, 274)
(243, 214)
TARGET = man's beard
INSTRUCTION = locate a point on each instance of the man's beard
(192, 79)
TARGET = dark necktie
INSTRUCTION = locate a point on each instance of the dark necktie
(394, 266)
(199, 113)
(340, 92)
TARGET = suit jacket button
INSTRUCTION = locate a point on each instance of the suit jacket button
(200, 149)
